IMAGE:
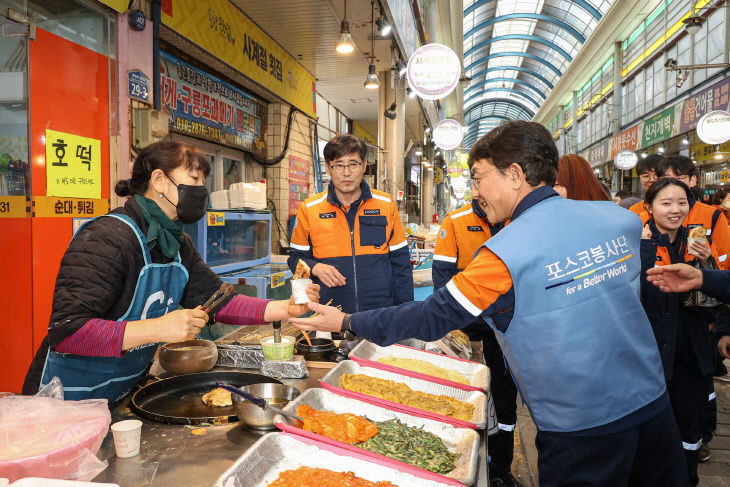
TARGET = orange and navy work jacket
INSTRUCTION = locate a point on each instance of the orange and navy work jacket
(365, 242)
(462, 232)
(718, 233)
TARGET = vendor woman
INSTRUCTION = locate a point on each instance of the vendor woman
(124, 276)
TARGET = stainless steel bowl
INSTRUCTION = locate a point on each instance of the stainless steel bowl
(278, 395)
(188, 357)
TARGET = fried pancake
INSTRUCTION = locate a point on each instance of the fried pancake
(218, 398)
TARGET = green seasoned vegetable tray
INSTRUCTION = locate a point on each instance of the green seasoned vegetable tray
(461, 441)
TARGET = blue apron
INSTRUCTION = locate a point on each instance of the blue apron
(159, 290)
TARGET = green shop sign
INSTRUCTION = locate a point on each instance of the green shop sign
(658, 128)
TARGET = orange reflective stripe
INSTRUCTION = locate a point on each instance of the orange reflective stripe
(483, 281)
(446, 246)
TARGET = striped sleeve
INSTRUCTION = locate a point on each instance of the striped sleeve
(243, 310)
(96, 338)
(483, 281)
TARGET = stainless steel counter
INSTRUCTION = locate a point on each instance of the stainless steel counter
(172, 456)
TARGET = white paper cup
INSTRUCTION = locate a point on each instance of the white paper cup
(127, 435)
(299, 290)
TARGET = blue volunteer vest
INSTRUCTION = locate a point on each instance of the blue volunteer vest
(580, 347)
(159, 290)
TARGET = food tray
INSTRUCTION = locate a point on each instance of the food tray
(458, 440)
(367, 354)
(478, 399)
(276, 452)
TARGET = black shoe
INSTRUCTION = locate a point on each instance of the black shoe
(503, 480)
(704, 453)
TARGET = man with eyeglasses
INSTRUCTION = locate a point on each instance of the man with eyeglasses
(646, 169)
(352, 237)
(560, 288)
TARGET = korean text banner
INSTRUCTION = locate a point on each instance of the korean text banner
(715, 97)
(203, 106)
(118, 5)
(658, 128)
(73, 165)
(220, 28)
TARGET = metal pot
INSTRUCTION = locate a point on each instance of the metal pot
(278, 395)
(188, 357)
(320, 350)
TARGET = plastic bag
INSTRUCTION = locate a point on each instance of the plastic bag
(47, 437)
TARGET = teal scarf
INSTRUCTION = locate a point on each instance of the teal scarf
(161, 231)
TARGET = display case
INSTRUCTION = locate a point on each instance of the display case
(236, 244)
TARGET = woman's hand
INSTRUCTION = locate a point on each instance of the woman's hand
(330, 319)
(294, 309)
(178, 325)
(701, 250)
(646, 232)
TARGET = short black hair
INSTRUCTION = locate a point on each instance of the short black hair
(680, 165)
(649, 163)
(662, 183)
(623, 193)
(342, 145)
(528, 144)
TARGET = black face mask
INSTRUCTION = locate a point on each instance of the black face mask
(192, 202)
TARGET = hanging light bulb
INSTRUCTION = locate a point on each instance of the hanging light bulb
(644, 155)
(685, 141)
(372, 81)
(344, 43)
(411, 94)
(389, 113)
(718, 155)
(418, 151)
(402, 67)
(384, 27)
(660, 150)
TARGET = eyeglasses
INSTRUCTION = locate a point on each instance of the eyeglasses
(353, 166)
(474, 180)
(646, 177)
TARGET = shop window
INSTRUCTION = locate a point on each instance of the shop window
(233, 172)
(14, 170)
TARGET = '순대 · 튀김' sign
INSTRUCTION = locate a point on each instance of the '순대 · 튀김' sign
(448, 134)
(433, 71)
(203, 106)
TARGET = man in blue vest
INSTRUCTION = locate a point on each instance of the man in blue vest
(560, 288)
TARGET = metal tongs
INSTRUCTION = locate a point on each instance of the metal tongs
(257, 400)
(225, 290)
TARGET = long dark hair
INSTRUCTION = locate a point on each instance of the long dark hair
(576, 175)
(165, 155)
(662, 183)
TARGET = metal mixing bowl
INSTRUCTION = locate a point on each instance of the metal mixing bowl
(278, 395)
(188, 357)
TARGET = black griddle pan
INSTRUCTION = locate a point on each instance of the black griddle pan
(178, 400)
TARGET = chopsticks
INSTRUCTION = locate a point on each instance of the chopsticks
(306, 335)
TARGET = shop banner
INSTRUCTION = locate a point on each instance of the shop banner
(73, 165)
(220, 28)
(203, 106)
(405, 25)
(298, 182)
(626, 140)
(706, 152)
(598, 154)
(359, 131)
(118, 5)
(714, 128)
(13, 207)
(448, 134)
(433, 71)
(715, 97)
(658, 128)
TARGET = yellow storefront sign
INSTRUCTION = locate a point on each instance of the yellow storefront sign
(359, 131)
(118, 5)
(73, 165)
(49, 206)
(13, 207)
(706, 152)
(224, 31)
(216, 219)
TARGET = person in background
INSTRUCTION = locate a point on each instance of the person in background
(629, 201)
(576, 180)
(620, 195)
(562, 337)
(125, 274)
(462, 232)
(721, 201)
(646, 169)
(352, 237)
(682, 334)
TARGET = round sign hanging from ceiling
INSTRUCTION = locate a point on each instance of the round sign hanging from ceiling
(448, 134)
(433, 71)
(714, 127)
(626, 159)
